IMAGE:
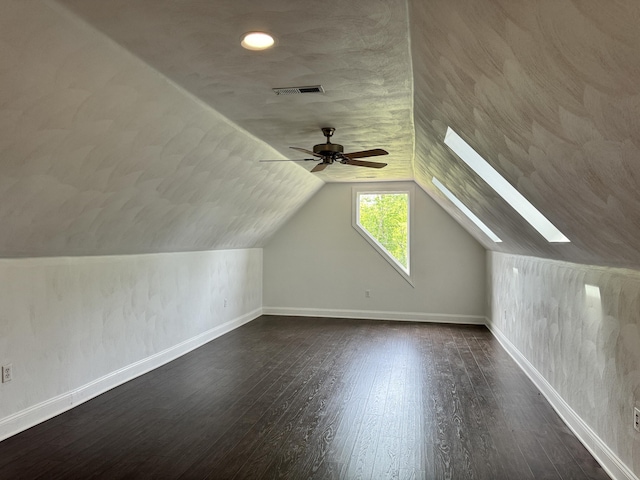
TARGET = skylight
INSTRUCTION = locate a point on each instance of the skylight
(512, 196)
(470, 215)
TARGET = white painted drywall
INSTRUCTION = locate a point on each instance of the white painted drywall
(318, 264)
(587, 349)
(67, 322)
(102, 155)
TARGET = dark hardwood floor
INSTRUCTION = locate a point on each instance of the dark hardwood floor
(315, 398)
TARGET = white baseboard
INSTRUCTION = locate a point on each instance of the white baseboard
(35, 414)
(376, 315)
(600, 451)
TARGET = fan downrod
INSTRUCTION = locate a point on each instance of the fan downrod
(328, 150)
(328, 132)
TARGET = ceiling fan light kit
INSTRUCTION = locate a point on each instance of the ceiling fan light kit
(328, 153)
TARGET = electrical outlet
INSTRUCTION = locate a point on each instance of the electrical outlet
(367, 294)
(636, 418)
(7, 373)
(225, 303)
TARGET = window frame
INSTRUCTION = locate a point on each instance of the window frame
(408, 190)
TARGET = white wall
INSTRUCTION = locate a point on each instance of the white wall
(75, 326)
(584, 354)
(317, 264)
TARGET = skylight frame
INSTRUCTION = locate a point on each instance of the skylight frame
(503, 188)
(468, 213)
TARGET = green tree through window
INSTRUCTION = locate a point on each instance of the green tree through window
(385, 217)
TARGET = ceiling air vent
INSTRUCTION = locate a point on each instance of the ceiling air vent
(297, 90)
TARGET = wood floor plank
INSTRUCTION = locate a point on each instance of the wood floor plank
(279, 408)
(484, 452)
(287, 397)
(454, 446)
(318, 458)
(308, 442)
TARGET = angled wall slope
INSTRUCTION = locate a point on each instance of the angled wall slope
(100, 155)
(547, 93)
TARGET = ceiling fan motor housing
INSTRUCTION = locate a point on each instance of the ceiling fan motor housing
(327, 149)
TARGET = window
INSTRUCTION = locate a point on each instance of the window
(463, 208)
(512, 196)
(382, 217)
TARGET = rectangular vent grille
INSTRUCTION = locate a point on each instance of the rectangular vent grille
(297, 90)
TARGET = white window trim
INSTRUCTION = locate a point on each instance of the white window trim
(355, 210)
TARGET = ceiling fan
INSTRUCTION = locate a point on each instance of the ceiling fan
(329, 153)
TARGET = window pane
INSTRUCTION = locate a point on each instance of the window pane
(384, 217)
(503, 188)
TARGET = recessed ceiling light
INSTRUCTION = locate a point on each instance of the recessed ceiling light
(257, 41)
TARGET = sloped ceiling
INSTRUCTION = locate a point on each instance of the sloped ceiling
(100, 154)
(548, 92)
(137, 125)
(358, 50)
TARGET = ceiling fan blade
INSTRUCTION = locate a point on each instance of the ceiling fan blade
(287, 160)
(364, 163)
(366, 153)
(304, 150)
(319, 167)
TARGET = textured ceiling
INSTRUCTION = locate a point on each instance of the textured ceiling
(548, 92)
(358, 50)
(137, 125)
(100, 154)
